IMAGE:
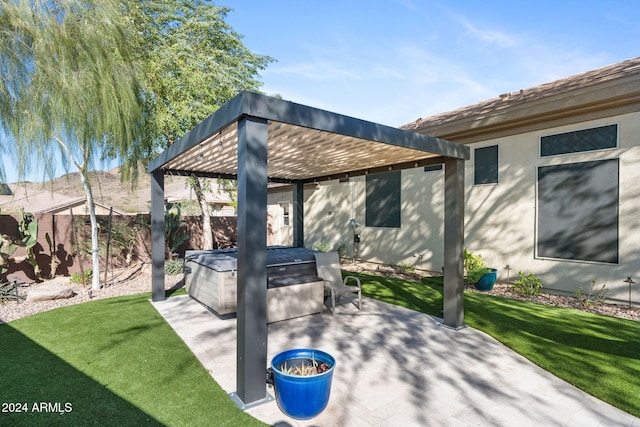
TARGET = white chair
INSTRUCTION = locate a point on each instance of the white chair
(328, 267)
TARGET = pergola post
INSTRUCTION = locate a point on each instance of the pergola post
(157, 236)
(252, 260)
(298, 214)
(453, 305)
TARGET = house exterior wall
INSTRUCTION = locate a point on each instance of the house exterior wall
(500, 219)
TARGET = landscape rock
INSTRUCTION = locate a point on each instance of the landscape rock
(49, 292)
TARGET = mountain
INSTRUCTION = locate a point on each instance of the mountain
(109, 190)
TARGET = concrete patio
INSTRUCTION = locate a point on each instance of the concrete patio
(399, 367)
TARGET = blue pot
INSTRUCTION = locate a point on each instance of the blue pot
(487, 281)
(302, 397)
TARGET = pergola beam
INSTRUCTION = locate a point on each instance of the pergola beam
(251, 355)
(157, 236)
(453, 304)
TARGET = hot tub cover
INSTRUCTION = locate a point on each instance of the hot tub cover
(227, 259)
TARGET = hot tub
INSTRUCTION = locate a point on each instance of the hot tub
(293, 288)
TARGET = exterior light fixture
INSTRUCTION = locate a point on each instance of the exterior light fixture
(630, 282)
(15, 287)
(506, 267)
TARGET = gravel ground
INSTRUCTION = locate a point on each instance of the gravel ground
(138, 280)
(505, 290)
(129, 281)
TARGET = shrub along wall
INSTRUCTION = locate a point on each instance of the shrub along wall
(63, 236)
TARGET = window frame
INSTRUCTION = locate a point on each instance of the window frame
(538, 219)
(547, 156)
(389, 220)
(497, 165)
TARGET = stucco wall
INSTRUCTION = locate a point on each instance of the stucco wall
(500, 219)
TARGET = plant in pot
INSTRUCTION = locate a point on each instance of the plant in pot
(478, 274)
(483, 278)
(302, 381)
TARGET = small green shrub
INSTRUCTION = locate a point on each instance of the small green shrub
(173, 267)
(476, 273)
(405, 268)
(8, 293)
(341, 248)
(77, 277)
(528, 285)
(322, 247)
(472, 261)
(592, 295)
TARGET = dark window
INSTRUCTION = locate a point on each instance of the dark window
(383, 200)
(485, 165)
(578, 211)
(581, 140)
(433, 168)
(285, 215)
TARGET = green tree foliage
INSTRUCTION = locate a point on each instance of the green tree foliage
(68, 85)
(192, 62)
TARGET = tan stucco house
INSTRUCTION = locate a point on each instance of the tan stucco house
(552, 187)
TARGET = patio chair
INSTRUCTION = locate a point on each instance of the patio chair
(328, 267)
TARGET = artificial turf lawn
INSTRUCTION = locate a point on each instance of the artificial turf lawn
(107, 362)
(117, 362)
(598, 354)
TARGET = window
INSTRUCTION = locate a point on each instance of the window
(433, 168)
(285, 214)
(485, 165)
(599, 138)
(577, 212)
(383, 200)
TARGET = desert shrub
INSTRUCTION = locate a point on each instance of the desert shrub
(173, 267)
(405, 268)
(594, 294)
(8, 292)
(322, 247)
(77, 277)
(476, 273)
(527, 285)
(472, 261)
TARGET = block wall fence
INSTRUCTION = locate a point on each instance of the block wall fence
(61, 231)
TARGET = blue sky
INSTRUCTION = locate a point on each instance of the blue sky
(394, 61)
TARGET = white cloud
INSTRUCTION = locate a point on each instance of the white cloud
(487, 36)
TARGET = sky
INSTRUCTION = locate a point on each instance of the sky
(394, 61)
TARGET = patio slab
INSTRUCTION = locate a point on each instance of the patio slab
(395, 366)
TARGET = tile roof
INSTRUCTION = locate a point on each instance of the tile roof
(508, 100)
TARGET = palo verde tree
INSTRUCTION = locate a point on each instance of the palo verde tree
(192, 62)
(69, 89)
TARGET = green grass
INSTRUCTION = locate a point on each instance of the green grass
(598, 354)
(114, 362)
(117, 362)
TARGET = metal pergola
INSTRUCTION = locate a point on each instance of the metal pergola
(258, 139)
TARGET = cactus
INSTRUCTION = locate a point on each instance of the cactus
(54, 261)
(7, 248)
(28, 235)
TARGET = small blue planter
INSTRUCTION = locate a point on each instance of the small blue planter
(487, 281)
(302, 397)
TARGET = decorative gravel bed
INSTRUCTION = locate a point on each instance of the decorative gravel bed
(622, 311)
(128, 281)
(137, 280)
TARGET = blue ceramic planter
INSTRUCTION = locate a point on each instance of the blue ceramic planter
(302, 397)
(487, 281)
